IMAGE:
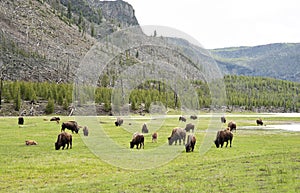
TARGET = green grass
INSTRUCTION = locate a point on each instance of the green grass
(259, 160)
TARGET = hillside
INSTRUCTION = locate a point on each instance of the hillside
(41, 41)
(280, 61)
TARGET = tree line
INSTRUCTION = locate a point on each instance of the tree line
(249, 92)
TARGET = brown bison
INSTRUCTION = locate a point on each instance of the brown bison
(223, 136)
(259, 122)
(71, 125)
(154, 137)
(191, 141)
(138, 140)
(57, 119)
(181, 118)
(232, 125)
(194, 117)
(177, 134)
(30, 142)
(63, 139)
(85, 131)
(189, 127)
(223, 119)
(119, 122)
(144, 128)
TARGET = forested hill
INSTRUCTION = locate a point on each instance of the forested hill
(280, 60)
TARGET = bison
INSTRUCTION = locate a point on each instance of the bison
(30, 142)
(232, 125)
(223, 119)
(191, 141)
(85, 131)
(194, 117)
(144, 128)
(71, 125)
(177, 134)
(119, 122)
(63, 139)
(181, 118)
(154, 137)
(189, 127)
(57, 119)
(259, 122)
(138, 140)
(20, 120)
(223, 136)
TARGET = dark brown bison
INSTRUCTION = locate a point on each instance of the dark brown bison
(119, 122)
(30, 142)
(20, 120)
(259, 122)
(191, 141)
(154, 137)
(138, 140)
(71, 125)
(181, 118)
(232, 125)
(189, 127)
(57, 119)
(85, 131)
(144, 128)
(194, 117)
(223, 119)
(223, 136)
(63, 139)
(177, 134)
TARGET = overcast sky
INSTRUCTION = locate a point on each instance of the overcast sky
(225, 23)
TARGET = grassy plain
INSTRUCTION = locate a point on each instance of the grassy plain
(258, 161)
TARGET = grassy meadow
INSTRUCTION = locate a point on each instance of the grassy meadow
(259, 160)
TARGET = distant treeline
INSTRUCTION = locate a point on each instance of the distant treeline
(241, 91)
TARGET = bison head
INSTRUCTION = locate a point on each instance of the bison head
(57, 146)
(217, 143)
(131, 144)
(171, 140)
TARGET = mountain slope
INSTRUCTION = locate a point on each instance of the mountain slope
(281, 60)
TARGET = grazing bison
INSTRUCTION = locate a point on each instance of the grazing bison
(194, 117)
(154, 137)
(189, 127)
(177, 134)
(85, 131)
(71, 125)
(138, 140)
(144, 128)
(119, 122)
(191, 141)
(259, 122)
(223, 119)
(57, 119)
(20, 120)
(63, 139)
(181, 118)
(232, 125)
(223, 136)
(30, 142)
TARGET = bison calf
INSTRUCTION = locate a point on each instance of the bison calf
(85, 131)
(30, 142)
(259, 122)
(154, 137)
(232, 125)
(119, 122)
(63, 139)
